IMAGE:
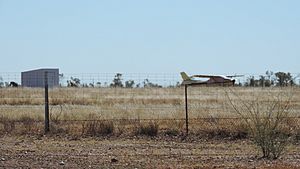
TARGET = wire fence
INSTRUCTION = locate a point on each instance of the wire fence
(153, 98)
(139, 79)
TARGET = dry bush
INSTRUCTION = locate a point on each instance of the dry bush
(123, 126)
(7, 125)
(241, 131)
(56, 125)
(266, 119)
(294, 128)
(172, 132)
(24, 125)
(174, 128)
(61, 128)
(28, 125)
(219, 128)
(147, 129)
(56, 117)
(98, 128)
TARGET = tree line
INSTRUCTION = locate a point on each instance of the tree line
(269, 79)
(117, 82)
(281, 79)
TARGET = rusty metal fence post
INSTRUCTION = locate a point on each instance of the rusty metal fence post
(186, 110)
(47, 126)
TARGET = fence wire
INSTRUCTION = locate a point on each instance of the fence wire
(153, 97)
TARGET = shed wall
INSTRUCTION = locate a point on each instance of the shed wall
(36, 78)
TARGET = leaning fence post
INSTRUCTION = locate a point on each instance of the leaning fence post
(47, 128)
(186, 110)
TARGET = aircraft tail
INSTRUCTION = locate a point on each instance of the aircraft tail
(185, 76)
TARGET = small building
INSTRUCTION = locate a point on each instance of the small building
(36, 78)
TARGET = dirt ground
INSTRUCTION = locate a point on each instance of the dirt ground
(133, 152)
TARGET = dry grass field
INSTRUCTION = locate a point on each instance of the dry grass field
(140, 128)
(152, 103)
(209, 107)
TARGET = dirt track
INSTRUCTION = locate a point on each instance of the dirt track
(29, 152)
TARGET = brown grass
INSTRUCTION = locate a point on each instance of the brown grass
(208, 106)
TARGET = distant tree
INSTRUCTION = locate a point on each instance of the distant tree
(262, 81)
(117, 81)
(1, 82)
(269, 83)
(73, 82)
(13, 84)
(98, 84)
(61, 79)
(269, 79)
(283, 79)
(129, 84)
(252, 82)
(292, 82)
(91, 85)
(270, 76)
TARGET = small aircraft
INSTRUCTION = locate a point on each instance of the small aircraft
(210, 80)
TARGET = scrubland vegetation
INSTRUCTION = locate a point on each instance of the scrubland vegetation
(211, 110)
(266, 118)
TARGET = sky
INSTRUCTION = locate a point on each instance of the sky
(157, 36)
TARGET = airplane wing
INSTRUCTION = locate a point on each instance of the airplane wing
(232, 76)
(217, 76)
(206, 76)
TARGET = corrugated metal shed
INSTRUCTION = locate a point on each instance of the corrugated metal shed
(36, 78)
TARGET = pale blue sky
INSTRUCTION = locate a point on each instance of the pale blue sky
(212, 36)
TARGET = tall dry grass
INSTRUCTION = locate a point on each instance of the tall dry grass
(125, 106)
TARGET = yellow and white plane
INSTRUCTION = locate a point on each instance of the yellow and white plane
(208, 80)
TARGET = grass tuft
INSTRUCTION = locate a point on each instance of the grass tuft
(98, 128)
(147, 129)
